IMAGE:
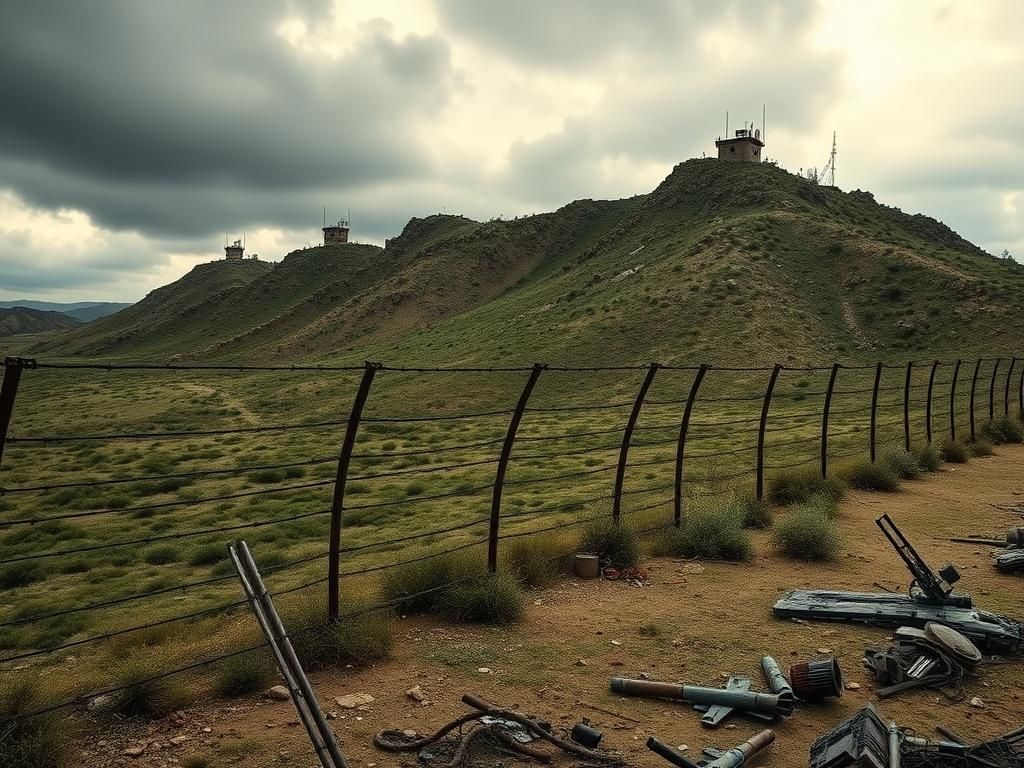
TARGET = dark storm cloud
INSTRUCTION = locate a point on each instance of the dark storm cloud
(168, 116)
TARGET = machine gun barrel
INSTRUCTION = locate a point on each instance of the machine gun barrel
(780, 704)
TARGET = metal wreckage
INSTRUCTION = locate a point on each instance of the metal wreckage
(939, 640)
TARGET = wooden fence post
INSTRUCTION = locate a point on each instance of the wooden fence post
(627, 437)
(952, 401)
(13, 367)
(761, 429)
(992, 390)
(503, 459)
(340, 479)
(1006, 394)
(928, 407)
(825, 412)
(872, 446)
(906, 405)
(974, 387)
(684, 428)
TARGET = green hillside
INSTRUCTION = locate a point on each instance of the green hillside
(723, 261)
(19, 320)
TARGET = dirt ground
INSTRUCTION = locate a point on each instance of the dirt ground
(685, 626)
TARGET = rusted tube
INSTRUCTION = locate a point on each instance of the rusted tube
(774, 676)
(732, 758)
(768, 703)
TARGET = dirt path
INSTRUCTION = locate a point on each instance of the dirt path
(229, 401)
(689, 627)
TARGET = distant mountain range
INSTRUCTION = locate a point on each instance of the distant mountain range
(83, 311)
(16, 320)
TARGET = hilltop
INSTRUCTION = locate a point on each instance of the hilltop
(18, 320)
(730, 261)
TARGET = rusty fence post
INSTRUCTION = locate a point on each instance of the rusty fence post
(761, 429)
(1006, 394)
(825, 412)
(952, 400)
(627, 438)
(503, 459)
(340, 479)
(974, 387)
(906, 405)
(992, 390)
(684, 428)
(928, 406)
(873, 444)
(13, 367)
(1020, 394)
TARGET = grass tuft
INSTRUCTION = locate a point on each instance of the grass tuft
(928, 457)
(715, 532)
(21, 575)
(755, 513)
(537, 561)
(615, 543)
(239, 675)
(982, 447)
(35, 742)
(1003, 429)
(495, 598)
(145, 697)
(358, 638)
(904, 463)
(417, 587)
(873, 476)
(807, 532)
(954, 451)
(794, 486)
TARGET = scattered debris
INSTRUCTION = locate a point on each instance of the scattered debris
(584, 733)
(416, 694)
(732, 758)
(817, 680)
(935, 657)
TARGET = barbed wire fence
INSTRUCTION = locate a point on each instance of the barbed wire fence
(671, 434)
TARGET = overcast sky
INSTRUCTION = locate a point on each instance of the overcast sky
(135, 133)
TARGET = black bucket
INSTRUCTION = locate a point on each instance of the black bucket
(585, 734)
(816, 680)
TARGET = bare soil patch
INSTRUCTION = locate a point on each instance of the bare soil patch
(689, 627)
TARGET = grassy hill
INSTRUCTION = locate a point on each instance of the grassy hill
(19, 320)
(84, 311)
(723, 261)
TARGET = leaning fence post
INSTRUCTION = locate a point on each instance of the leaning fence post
(974, 386)
(952, 401)
(928, 406)
(1020, 395)
(1006, 394)
(873, 445)
(13, 366)
(627, 437)
(684, 428)
(992, 390)
(506, 454)
(340, 479)
(761, 429)
(906, 405)
(825, 411)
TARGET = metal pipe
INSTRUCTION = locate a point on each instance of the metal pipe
(992, 390)
(627, 438)
(894, 745)
(774, 676)
(928, 407)
(952, 401)
(825, 412)
(768, 703)
(731, 758)
(684, 428)
(873, 440)
(1006, 394)
(906, 405)
(13, 366)
(761, 429)
(974, 387)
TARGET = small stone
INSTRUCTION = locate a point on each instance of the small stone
(416, 693)
(977, 703)
(683, 747)
(178, 740)
(484, 670)
(410, 734)
(693, 568)
(581, 662)
(277, 693)
(851, 686)
(135, 751)
(616, 642)
(207, 729)
(644, 676)
(98, 702)
(353, 700)
(825, 651)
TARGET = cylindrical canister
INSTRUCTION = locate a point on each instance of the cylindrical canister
(586, 735)
(816, 680)
(586, 566)
(1015, 537)
(773, 674)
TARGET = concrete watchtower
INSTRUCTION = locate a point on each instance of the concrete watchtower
(746, 145)
(336, 233)
(235, 251)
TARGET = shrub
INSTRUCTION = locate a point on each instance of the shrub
(807, 534)
(1003, 429)
(360, 637)
(928, 457)
(208, 554)
(537, 560)
(615, 543)
(953, 451)
(246, 673)
(416, 587)
(668, 542)
(144, 696)
(715, 532)
(21, 575)
(793, 486)
(492, 599)
(162, 554)
(873, 476)
(35, 742)
(982, 447)
(904, 463)
(196, 761)
(754, 512)
(267, 476)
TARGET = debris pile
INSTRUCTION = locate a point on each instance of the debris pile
(935, 657)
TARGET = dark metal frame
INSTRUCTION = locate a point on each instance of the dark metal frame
(873, 438)
(952, 401)
(992, 390)
(825, 412)
(974, 387)
(627, 438)
(928, 407)
(761, 429)
(684, 428)
(906, 405)
(13, 367)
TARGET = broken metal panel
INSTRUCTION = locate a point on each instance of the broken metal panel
(991, 632)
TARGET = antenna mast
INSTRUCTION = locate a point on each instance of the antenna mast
(829, 171)
(727, 124)
(764, 112)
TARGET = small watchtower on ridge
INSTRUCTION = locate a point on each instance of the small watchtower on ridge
(235, 251)
(745, 146)
(335, 234)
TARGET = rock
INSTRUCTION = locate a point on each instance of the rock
(177, 741)
(277, 693)
(644, 676)
(484, 670)
(353, 700)
(683, 747)
(98, 702)
(977, 703)
(135, 751)
(416, 693)
(852, 686)
(825, 651)
(581, 662)
(207, 729)
(410, 734)
(616, 642)
(693, 568)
